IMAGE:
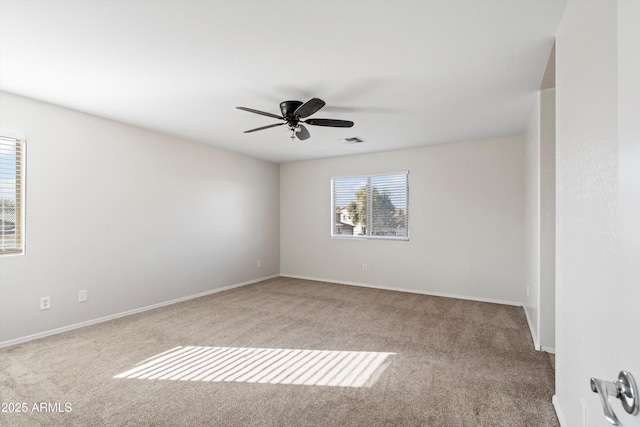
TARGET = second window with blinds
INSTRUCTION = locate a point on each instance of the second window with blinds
(372, 206)
(11, 195)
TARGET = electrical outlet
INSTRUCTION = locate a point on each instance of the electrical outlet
(527, 291)
(45, 303)
(83, 296)
(259, 264)
(364, 267)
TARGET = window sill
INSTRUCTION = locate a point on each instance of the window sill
(401, 239)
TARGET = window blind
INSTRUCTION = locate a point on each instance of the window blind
(371, 206)
(11, 196)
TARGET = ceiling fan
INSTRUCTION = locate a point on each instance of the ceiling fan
(293, 113)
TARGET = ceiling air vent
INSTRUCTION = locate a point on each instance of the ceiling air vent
(353, 140)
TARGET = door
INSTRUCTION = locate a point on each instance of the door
(626, 327)
(598, 205)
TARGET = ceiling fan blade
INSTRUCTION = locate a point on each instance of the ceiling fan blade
(330, 123)
(303, 134)
(263, 127)
(264, 113)
(309, 107)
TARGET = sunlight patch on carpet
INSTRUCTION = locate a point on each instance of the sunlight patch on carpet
(263, 366)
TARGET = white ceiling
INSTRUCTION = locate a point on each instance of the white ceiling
(408, 73)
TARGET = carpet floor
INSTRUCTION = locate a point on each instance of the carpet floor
(287, 352)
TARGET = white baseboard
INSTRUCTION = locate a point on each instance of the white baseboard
(237, 285)
(413, 291)
(559, 414)
(536, 344)
(551, 350)
(127, 313)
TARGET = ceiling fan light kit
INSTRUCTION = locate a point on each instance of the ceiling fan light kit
(293, 113)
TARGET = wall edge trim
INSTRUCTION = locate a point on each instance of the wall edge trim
(536, 344)
(558, 409)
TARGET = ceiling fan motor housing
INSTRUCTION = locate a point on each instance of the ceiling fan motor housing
(288, 108)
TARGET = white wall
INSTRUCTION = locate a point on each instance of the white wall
(466, 222)
(539, 221)
(532, 221)
(548, 220)
(598, 204)
(135, 217)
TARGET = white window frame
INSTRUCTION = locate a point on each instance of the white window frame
(369, 208)
(8, 137)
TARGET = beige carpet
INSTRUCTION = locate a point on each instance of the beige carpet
(288, 352)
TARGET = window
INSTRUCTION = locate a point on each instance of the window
(11, 196)
(371, 206)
